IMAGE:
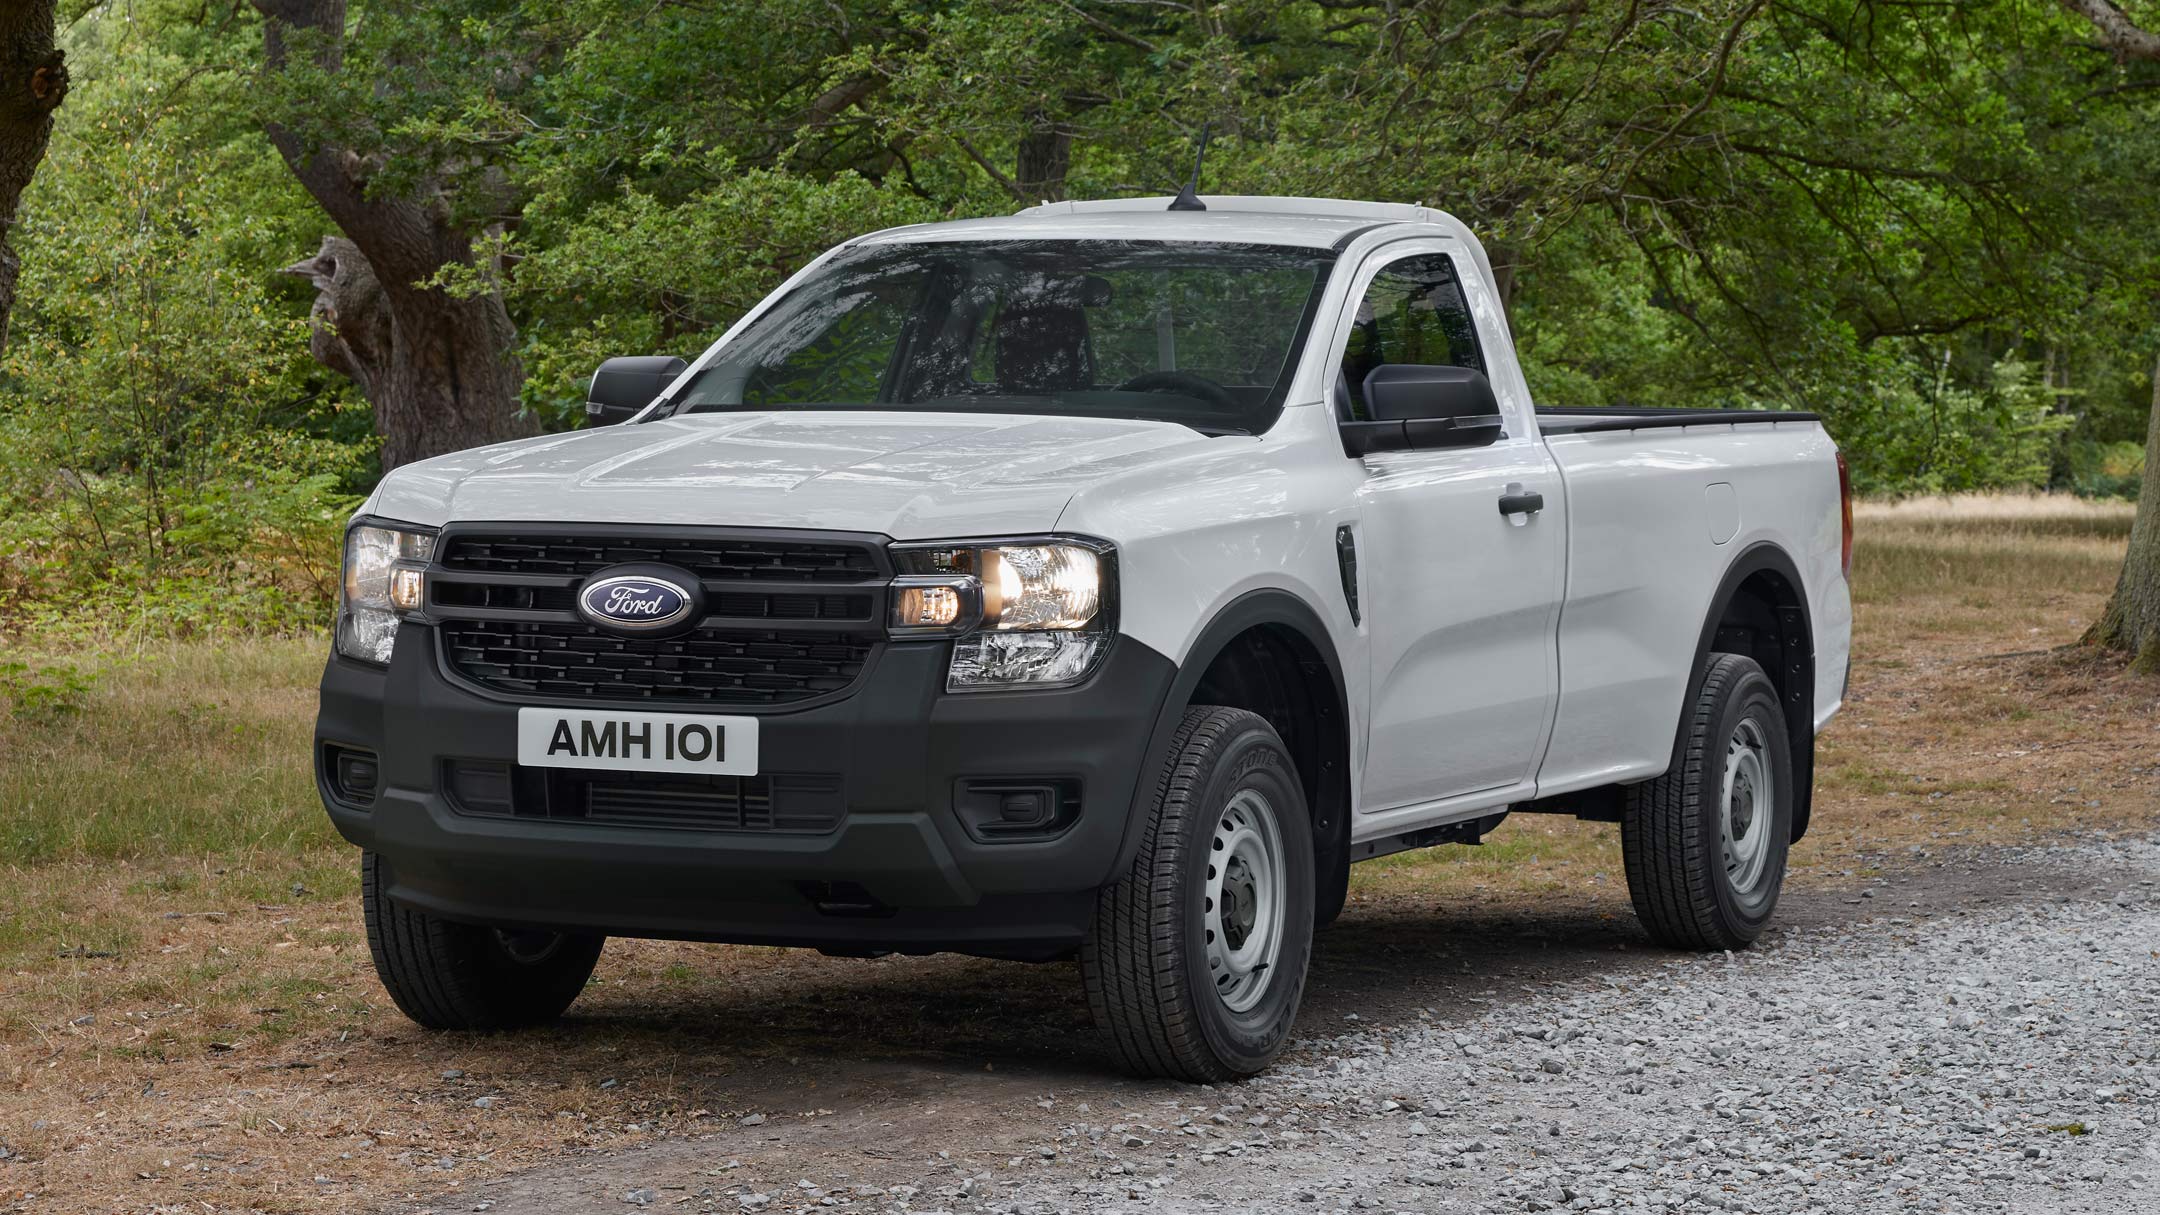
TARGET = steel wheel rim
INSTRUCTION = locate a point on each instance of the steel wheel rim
(1242, 909)
(1747, 807)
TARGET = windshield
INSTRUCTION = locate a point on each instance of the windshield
(1205, 335)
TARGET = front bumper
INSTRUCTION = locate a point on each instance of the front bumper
(911, 877)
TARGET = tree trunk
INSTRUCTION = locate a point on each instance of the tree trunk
(410, 380)
(1044, 157)
(2132, 619)
(33, 82)
(438, 368)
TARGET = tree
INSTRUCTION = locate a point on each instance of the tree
(33, 82)
(2117, 31)
(444, 374)
(2131, 621)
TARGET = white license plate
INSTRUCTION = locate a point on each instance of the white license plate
(639, 742)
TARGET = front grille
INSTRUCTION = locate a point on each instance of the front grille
(789, 616)
(713, 557)
(709, 665)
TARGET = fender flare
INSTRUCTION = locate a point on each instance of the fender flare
(1266, 606)
(1766, 556)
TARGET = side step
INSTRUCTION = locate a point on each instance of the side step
(1468, 831)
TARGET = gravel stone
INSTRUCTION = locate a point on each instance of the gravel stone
(2003, 1061)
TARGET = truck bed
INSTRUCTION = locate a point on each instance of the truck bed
(1661, 505)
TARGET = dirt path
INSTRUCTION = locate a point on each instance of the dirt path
(888, 1120)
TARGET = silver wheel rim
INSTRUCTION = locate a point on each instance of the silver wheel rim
(1747, 809)
(1242, 912)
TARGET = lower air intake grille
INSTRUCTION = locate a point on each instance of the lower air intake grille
(800, 805)
(786, 803)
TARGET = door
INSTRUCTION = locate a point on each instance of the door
(1465, 597)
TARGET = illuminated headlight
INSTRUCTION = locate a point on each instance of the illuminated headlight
(1030, 614)
(385, 578)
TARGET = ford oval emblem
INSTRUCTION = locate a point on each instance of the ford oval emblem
(635, 602)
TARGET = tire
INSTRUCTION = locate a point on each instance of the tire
(449, 975)
(1705, 843)
(1177, 964)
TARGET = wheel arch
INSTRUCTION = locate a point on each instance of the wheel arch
(1270, 652)
(1760, 610)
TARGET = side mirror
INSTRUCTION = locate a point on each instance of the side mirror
(1417, 407)
(624, 386)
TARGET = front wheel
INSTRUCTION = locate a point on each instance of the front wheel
(1705, 843)
(1196, 961)
(450, 975)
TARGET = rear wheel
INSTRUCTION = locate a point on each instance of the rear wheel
(1705, 843)
(1196, 962)
(450, 975)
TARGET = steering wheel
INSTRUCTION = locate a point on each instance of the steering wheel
(1183, 383)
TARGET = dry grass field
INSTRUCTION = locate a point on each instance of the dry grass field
(188, 1019)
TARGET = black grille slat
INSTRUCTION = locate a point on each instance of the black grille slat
(506, 614)
(717, 558)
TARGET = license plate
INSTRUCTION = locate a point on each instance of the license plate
(639, 742)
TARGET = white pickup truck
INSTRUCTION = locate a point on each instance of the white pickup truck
(1099, 581)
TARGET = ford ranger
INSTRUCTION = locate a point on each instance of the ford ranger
(1099, 582)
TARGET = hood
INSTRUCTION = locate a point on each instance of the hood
(911, 476)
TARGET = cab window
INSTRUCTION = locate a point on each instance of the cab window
(1414, 312)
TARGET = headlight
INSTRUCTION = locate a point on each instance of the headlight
(1027, 614)
(385, 578)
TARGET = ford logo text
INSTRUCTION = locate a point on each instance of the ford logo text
(635, 603)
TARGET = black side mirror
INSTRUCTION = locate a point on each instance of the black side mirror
(1420, 407)
(624, 386)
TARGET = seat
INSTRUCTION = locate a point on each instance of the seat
(1042, 347)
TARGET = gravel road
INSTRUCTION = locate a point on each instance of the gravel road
(1991, 1058)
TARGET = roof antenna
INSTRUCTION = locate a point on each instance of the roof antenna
(1188, 199)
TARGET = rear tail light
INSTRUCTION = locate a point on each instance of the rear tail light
(1844, 486)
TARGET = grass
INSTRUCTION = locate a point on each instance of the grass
(188, 1016)
(180, 750)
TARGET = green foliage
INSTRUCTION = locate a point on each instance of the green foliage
(1922, 434)
(637, 274)
(1930, 222)
(41, 694)
(169, 456)
(2104, 470)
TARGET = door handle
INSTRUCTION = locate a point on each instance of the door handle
(1521, 502)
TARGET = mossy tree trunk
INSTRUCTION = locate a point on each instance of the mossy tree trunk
(2132, 619)
(33, 81)
(440, 368)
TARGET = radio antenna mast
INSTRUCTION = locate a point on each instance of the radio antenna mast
(1188, 199)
